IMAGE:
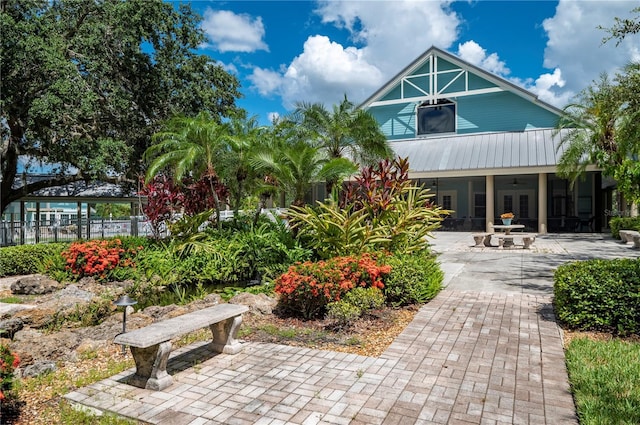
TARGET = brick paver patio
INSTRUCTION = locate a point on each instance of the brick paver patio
(467, 357)
(492, 355)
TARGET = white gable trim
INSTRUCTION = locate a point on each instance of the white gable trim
(431, 55)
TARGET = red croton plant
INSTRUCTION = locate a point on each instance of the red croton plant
(164, 198)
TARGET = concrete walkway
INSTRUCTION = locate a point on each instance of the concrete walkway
(486, 350)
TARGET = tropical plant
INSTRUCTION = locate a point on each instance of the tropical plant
(98, 257)
(9, 361)
(162, 201)
(379, 211)
(102, 77)
(306, 289)
(333, 231)
(588, 130)
(190, 147)
(345, 131)
(602, 127)
(245, 137)
(295, 166)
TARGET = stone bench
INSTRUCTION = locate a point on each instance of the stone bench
(482, 238)
(509, 240)
(627, 235)
(151, 345)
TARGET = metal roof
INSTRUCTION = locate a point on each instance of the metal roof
(79, 189)
(481, 152)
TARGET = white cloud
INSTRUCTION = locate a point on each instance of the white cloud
(575, 45)
(547, 88)
(323, 73)
(267, 82)
(326, 70)
(383, 26)
(476, 55)
(230, 32)
(229, 67)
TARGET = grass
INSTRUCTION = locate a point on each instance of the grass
(11, 300)
(46, 391)
(286, 333)
(604, 379)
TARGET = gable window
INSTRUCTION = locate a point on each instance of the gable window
(436, 118)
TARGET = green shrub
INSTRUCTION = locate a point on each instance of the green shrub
(599, 295)
(366, 299)
(306, 289)
(354, 304)
(27, 259)
(623, 223)
(414, 279)
(343, 312)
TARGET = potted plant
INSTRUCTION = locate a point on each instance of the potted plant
(506, 218)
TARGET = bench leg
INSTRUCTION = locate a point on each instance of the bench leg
(225, 334)
(151, 367)
(478, 240)
(487, 241)
(527, 242)
(636, 241)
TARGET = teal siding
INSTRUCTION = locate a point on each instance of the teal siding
(492, 112)
(396, 121)
(476, 82)
(445, 65)
(503, 111)
(393, 94)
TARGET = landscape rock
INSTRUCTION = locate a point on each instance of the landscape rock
(29, 343)
(258, 304)
(34, 285)
(37, 317)
(208, 301)
(9, 327)
(70, 296)
(40, 367)
(158, 312)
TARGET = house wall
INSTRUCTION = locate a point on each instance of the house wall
(481, 113)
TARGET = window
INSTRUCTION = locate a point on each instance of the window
(479, 205)
(437, 118)
(524, 206)
(446, 202)
(508, 203)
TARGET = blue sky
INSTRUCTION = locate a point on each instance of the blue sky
(284, 52)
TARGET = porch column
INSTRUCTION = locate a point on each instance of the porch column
(542, 203)
(79, 220)
(23, 222)
(470, 198)
(490, 204)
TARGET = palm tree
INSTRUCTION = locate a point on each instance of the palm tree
(346, 131)
(294, 165)
(189, 147)
(589, 130)
(244, 138)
